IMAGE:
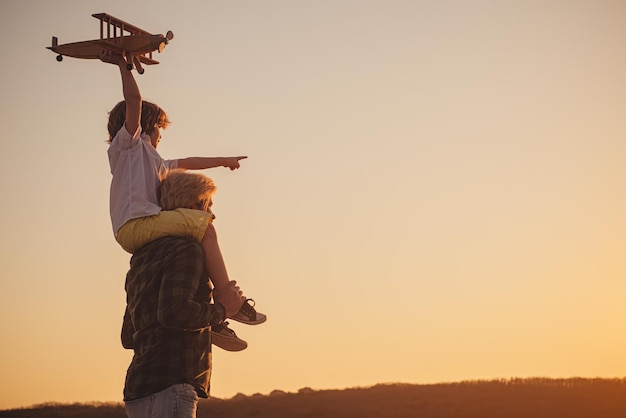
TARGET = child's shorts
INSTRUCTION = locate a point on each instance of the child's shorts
(136, 233)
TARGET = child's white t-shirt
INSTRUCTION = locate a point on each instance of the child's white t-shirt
(137, 168)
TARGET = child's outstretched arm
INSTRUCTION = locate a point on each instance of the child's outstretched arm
(132, 96)
(201, 163)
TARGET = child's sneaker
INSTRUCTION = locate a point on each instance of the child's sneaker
(248, 315)
(226, 339)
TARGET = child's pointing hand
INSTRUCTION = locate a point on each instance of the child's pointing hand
(233, 162)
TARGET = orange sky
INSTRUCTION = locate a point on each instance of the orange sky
(434, 190)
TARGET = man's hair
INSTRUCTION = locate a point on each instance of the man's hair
(181, 189)
(151, 116)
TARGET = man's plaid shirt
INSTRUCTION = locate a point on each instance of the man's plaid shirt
(167, 317)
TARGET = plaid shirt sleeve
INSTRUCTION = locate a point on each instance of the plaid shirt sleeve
(182, 277)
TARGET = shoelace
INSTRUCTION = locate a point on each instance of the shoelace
(248, 308)
(224, 326)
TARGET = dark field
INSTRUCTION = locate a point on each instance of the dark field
(512, 398)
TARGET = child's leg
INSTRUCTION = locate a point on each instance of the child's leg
(219, 277)
(213, 257)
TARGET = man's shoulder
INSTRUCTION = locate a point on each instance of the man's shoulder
(172, 245)
(173, 240)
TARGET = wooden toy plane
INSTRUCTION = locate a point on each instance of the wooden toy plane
(137, 44)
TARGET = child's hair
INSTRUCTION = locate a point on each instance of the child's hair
(181, 189)
(151, 116)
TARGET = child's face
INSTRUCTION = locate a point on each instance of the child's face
(155, 136)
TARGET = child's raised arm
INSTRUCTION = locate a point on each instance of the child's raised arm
(200, 163)
(132, 96)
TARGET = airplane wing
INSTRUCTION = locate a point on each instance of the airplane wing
(147, 60)
(123, 26)
(144, 58)
(85, 49)
(105, 44)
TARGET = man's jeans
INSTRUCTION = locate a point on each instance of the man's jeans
(177, 401)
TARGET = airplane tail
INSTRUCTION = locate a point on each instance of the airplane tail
(55, 42)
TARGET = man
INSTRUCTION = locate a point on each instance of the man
(166, 323)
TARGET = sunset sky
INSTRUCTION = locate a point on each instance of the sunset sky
(435, 190)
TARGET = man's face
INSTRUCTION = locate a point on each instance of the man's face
(206, 206)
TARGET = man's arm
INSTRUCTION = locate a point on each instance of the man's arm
(132, 95)
(127, 332)
(201, 163)
(184, 301)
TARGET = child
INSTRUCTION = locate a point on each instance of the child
(134, 134)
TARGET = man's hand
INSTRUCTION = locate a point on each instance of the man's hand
(233, 162)
(231, 297)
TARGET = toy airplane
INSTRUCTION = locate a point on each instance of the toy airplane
(137, 45)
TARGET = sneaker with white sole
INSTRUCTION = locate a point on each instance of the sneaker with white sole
(248, 315)
(226, 339)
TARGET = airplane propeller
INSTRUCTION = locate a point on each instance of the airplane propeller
(168, 37)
